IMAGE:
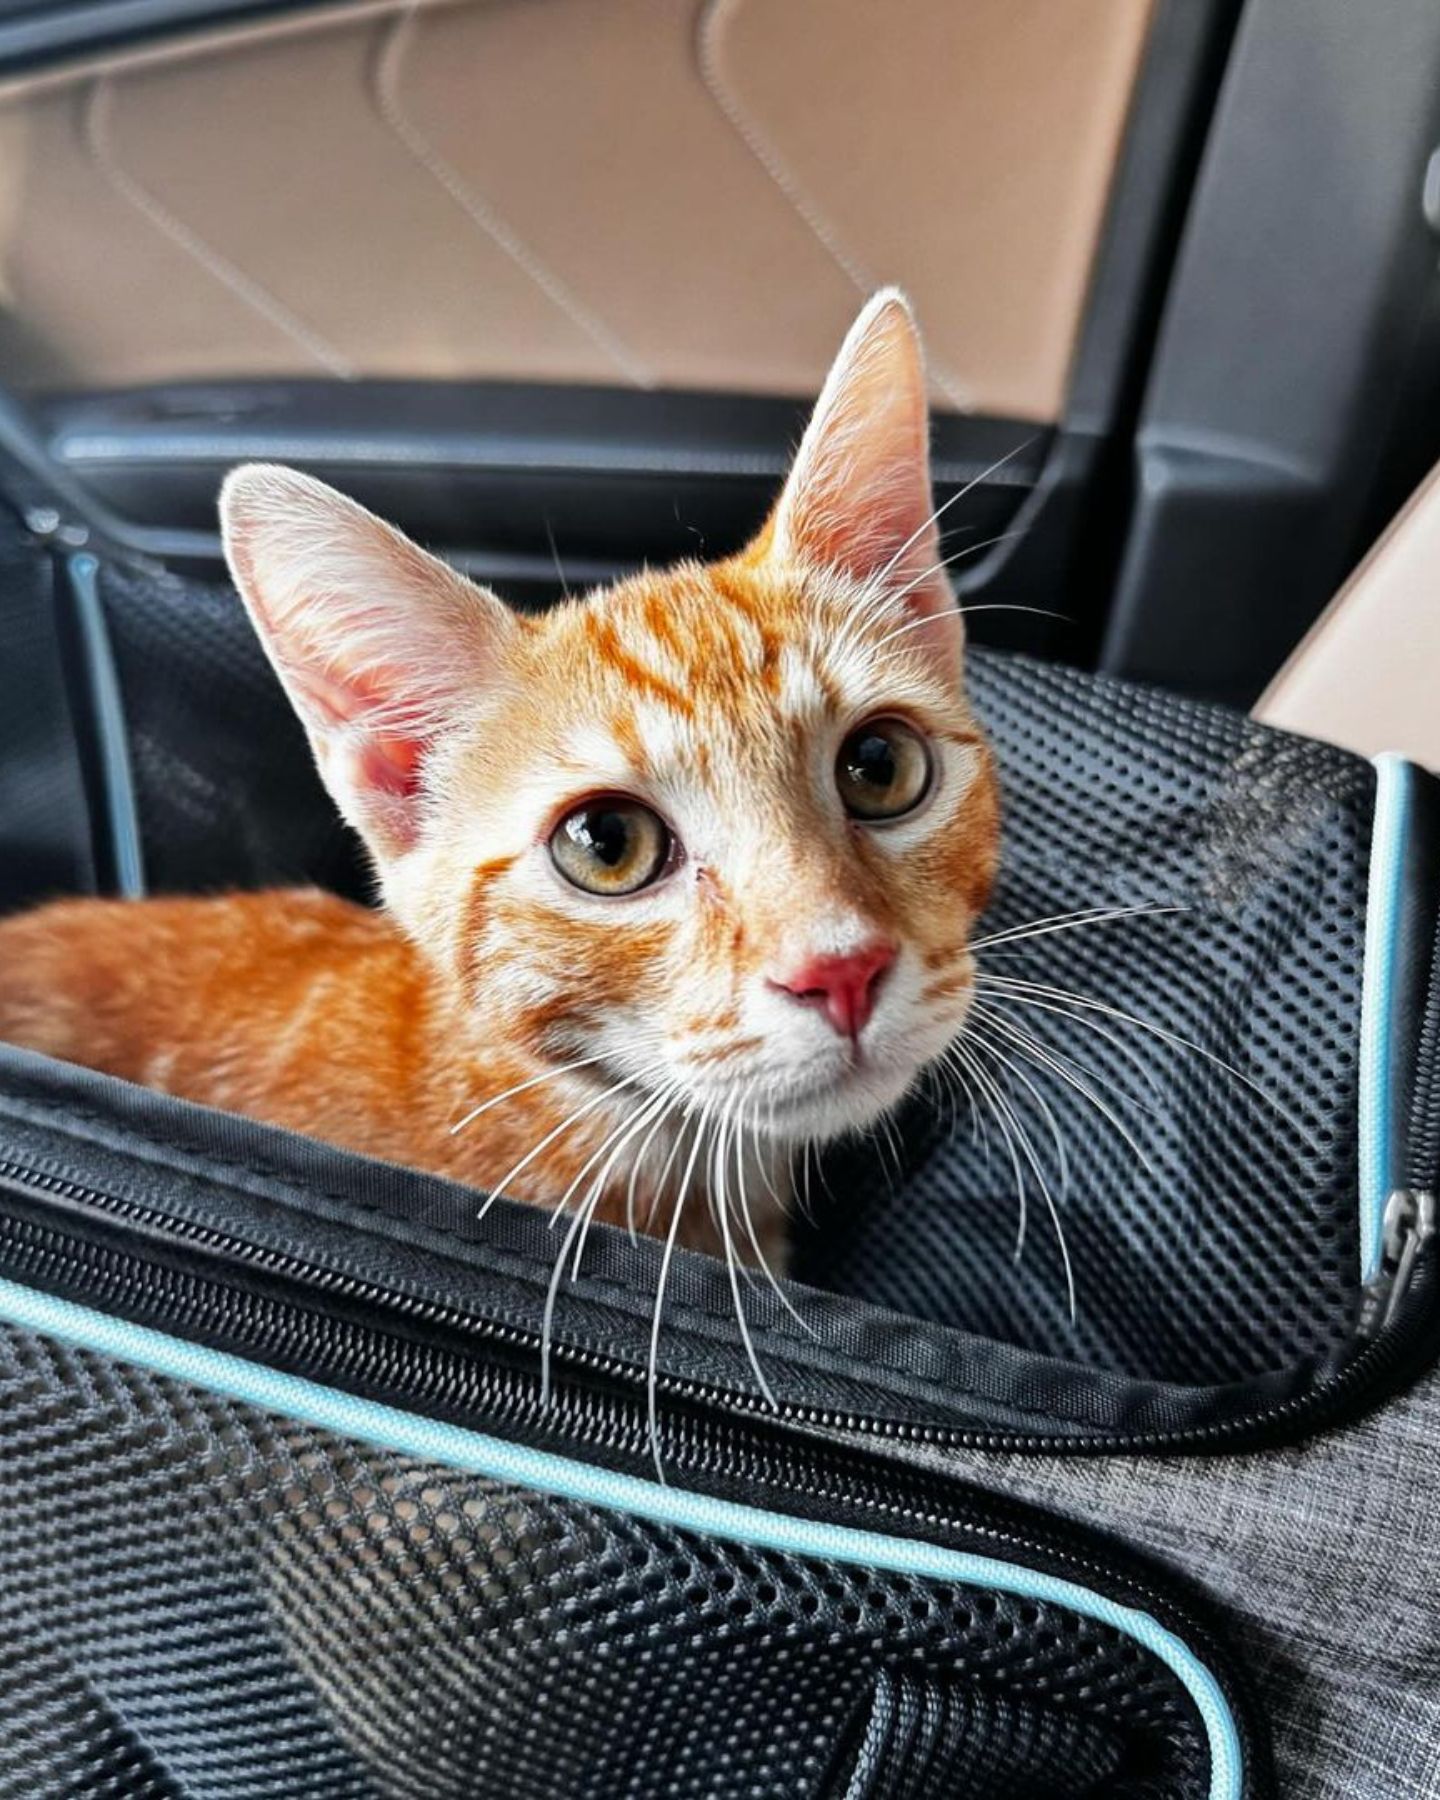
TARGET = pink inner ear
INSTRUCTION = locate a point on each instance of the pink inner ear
(383, 762)
(389, 766)
(883, 527)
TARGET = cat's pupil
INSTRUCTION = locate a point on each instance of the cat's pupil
(873, 761)
(606, 835)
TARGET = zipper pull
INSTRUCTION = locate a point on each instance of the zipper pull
(1410, 1223)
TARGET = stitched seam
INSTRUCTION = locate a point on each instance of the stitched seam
(753, 136)
(480, 212)
(95, 134)
(204, 1165)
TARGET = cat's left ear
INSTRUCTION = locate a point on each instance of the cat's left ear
(858, 497)
(380, 646)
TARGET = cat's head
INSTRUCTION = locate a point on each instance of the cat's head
(725, 828)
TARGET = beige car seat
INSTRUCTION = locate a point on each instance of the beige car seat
(1367, 674)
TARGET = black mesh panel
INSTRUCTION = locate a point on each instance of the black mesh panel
(208, 1601)
(1207, 1194)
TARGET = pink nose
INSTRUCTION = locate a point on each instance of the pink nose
(843, 987)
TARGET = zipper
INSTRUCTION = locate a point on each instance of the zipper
(818, 1478)
(353, 1352)
(1423, 1141)
(1410, 1216)
(1328, 1401)
(1410, 1223)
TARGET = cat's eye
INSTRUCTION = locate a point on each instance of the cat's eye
(884, 770)
(611, 847)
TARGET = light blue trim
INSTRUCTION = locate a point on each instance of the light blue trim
(411, 1434)
(110, 725)
(1390, 837)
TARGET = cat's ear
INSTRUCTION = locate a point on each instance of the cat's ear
(858, 497)
(378, 644)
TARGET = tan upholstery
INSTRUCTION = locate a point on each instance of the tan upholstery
(1367, 675)
(672, 193)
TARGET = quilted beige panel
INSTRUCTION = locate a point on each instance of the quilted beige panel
(660, 193)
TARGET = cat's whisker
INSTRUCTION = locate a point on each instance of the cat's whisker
(664, 1174)
(1043, 1106)
(1042, 1184)
(1043, 612)
(559, 1209)
(946, 562)
(749, 1222)
(994, 1006)
(736, 1162)
(659, 1106)
(522, 1087)
(801, 1188)
(652, 1373)
(768, 1137)
(947, 1089)
(960, 493)
(888, 1148)
(986, 1088)
(1000, 987)
(1022, 992)
(555, 558)
(956, 1081)
(1072, 921)
(728, 1128)
(675, 1092)
(1046, 1058)
(895, 595)
(565, 1125)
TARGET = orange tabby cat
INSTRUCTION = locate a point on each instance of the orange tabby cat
(690, 863)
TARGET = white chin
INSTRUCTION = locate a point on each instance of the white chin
(850, 1102)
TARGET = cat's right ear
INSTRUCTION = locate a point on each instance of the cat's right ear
(378, 644)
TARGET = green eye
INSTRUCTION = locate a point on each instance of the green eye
(611, 847)
(884, 770)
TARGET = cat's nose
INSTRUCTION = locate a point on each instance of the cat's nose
(842, 987)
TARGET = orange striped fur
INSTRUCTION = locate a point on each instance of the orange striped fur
(455, 735)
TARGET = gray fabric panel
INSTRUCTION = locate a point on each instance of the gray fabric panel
(1326, 1559)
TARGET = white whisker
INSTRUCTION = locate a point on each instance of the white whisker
(1022, 992)
(962, 1051)
(1043, 612)
(550, 1136)
(1048, 1059)
(675, 1092)
(520, 1087)
(1062, 1160)
(652, 1373)
(1034, 1161)
(1089, 915)
(1001, 987)
(728, 1124)
(760, 1257)
(993, 1006)
(954, 500)
(580, 1224)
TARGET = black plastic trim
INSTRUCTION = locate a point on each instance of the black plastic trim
(518, 483)
(1304, 294)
